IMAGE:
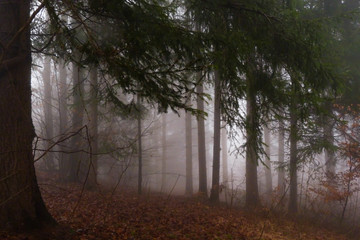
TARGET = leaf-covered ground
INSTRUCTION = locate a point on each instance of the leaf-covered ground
(125, 215)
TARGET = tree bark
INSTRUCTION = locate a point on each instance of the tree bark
(94, 112)
(21, 204)
(252, 191)
(293, 208)
(63, 112)
(201, 144)
(281, 159)
(77, 123)
(268, 175)
(224, 158)
(215, 188)
(330, 160)
(188, 143)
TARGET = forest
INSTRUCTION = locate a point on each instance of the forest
(180, 119)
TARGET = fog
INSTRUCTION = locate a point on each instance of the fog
(163, 151)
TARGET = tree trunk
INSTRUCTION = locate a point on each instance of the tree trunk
(268, 175)
(330, 160)
(224, 149)
(94, 112)
(252, 191)
(139, 147)
(63, 112)
(188, 140)
(47, 102)
(293, 154)
(164, 153)
(77, 124)
(201, 144)
(281, 159)
(21, 204)
(215, 188)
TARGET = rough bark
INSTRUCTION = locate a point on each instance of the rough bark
(215, 188)
(188, 143)
(21, 204)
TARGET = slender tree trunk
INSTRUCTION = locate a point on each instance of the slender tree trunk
(139, 148)
(77, 121)
(215, 188)
(164, 153)
(252, 191)
(21, 204)
(49, 126)
(201, 143)
(157, 154)
(94, 112)
(293, 206)
(188, 140)
(201, 132)
(330, 161)
(63, 112)
(281, 159)
(224, 149)
(268, 175)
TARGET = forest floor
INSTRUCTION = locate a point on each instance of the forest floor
(125, 215)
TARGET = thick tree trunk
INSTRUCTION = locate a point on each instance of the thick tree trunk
(201, 143)
(268, 176)
(63, 112)
(281, 159)
(215, 188)
(47, 102)
(21, 205)
(94, 112)
(252, 191)
(188, 143)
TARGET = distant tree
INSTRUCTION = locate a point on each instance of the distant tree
(201, 142)
(164, 151)
(140, 148)
(77, 142)
(188, 146)
(215, 188)
(268, 172)
(93, 129)
(63, 119)
(281, 158)
(224, 156)
(48, 112)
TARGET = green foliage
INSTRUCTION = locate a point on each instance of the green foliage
(145, 47)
